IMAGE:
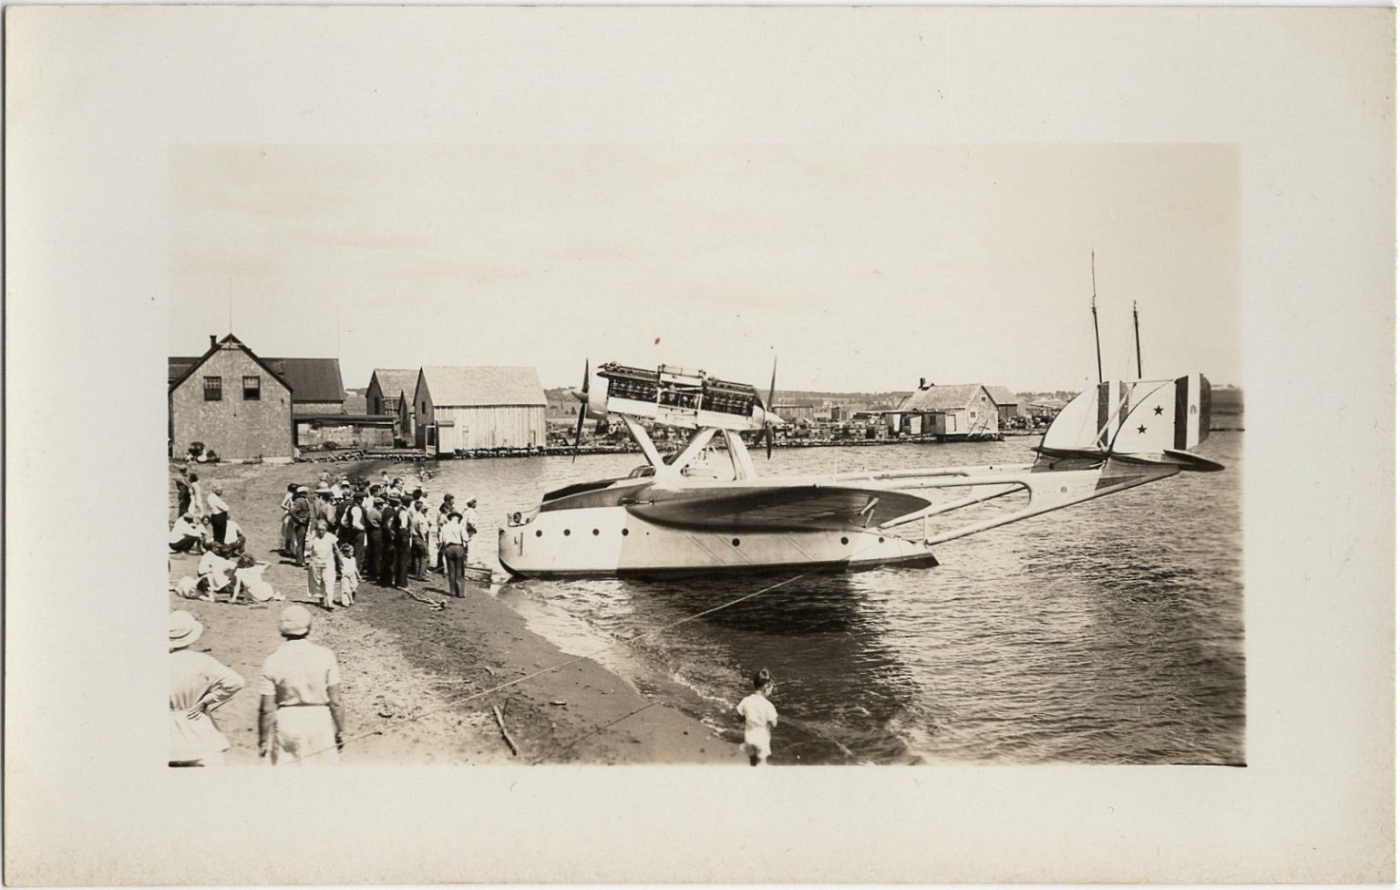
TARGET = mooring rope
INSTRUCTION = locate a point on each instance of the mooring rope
(452, 701)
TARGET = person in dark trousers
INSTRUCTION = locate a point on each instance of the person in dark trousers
(373, 541)
(388, 556)
(182, 491)
(443, 510)
(301, 521)
(403, 545)
(452, 536)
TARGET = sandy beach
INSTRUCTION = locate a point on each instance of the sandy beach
(418, 683)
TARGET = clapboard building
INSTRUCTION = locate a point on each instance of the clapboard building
(231, 400)
(961, 411)
(466, 408)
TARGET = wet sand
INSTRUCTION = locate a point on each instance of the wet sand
(415, 680)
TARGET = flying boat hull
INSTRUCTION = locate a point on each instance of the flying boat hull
(614, 541)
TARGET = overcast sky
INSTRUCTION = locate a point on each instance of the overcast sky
(860, 268)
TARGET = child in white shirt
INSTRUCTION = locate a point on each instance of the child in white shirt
(349, 575)
(759, 719)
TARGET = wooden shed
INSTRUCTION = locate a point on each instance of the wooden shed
(961, 411)
(465, 409)
(391, 392)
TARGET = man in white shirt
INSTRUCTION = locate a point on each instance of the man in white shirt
(185, 534)
(300, 722)
(218, 511)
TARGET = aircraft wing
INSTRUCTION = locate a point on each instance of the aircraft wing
(772, 507)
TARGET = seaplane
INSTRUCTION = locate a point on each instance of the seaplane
(677, 515)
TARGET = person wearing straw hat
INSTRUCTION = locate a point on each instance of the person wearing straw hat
(199, 683)
(299, 715)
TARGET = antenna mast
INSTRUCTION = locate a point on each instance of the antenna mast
(1137, 339)
(1094, 308)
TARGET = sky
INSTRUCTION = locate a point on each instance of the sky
(862, 267)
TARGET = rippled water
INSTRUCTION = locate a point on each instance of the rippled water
(1111, 632)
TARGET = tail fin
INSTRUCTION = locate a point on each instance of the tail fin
(1148, 419)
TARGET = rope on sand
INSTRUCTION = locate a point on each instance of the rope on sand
(452, 701)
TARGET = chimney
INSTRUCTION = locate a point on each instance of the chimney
(923, 383)
(213, 341)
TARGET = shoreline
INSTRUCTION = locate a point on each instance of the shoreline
(416, 681)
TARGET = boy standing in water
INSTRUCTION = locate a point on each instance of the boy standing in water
(759, 719)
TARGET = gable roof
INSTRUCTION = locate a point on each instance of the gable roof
(941, 398)
(311, 379)
(1002, 396)
(393, 381)
(179, 368)
(473, 387)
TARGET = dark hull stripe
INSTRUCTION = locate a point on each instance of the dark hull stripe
(928, 561)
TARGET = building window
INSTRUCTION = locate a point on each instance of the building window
(425, 407)
(213, 389)
(252, 388)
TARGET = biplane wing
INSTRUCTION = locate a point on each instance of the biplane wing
(772, 507)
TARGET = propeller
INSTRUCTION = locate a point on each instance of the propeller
(582, 411)
(768, 408)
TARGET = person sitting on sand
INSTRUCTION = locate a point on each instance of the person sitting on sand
(231, 544)
(320, 565)
(186, 535)
(248, 577)
(216, 571)
(760, 717)
(193, 589)
(299, 715)
(199, 684)
(349, 575)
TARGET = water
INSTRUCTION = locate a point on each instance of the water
(1111, 632)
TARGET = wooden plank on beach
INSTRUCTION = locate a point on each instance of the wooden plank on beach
(501, 722)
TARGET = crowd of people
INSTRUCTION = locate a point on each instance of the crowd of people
(343, 533)
(300, 719)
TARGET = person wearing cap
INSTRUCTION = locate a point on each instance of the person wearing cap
(320, 565)
(444, 508)
(301, 513)
(182, 491)
(199, 683)
(454, 551)
(300, 722)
